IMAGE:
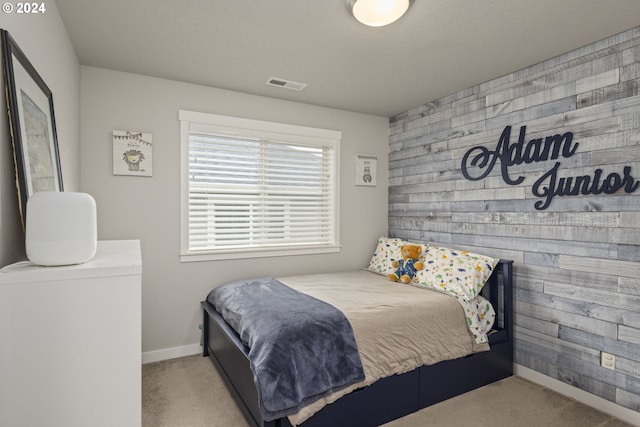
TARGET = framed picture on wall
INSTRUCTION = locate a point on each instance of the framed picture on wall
(366, 172)
(132, 153)
(32, 125)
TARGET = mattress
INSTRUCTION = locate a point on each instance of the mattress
(397, 327)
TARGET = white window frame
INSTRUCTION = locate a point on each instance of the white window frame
(247, 127)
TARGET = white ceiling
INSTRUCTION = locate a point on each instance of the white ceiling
(437, 48)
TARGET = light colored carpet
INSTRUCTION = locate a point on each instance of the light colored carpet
(189, 392)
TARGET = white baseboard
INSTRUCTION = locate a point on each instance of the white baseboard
(582, 396)
(171, 353)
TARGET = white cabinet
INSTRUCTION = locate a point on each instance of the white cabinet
(70, 341)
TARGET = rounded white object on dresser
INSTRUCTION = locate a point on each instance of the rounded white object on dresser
(61, 228)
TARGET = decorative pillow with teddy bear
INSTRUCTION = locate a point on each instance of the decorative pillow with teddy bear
(387, 251)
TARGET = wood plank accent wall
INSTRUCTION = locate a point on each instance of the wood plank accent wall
(577, 263)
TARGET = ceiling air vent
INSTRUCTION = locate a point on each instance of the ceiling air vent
(287, 84)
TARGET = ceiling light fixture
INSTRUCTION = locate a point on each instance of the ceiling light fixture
(377, 13)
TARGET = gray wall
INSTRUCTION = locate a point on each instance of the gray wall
(577, 262)
(44, 40)
(148, 208)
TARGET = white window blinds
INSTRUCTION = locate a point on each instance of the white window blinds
(253, 187)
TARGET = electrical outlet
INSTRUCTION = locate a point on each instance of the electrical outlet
(608, 361)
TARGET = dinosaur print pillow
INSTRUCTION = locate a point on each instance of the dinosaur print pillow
(460, 273)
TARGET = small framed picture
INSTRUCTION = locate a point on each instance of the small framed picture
(366, 170)
(132, 153)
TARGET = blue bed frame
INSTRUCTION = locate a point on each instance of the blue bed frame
(389, 398)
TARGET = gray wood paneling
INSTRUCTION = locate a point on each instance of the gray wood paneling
(626, 333)
(629, 400)
(577, 262)
(607, 94)
(627, 285)
(619, 348)
(605, 266)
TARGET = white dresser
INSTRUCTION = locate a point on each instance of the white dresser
(70, 341)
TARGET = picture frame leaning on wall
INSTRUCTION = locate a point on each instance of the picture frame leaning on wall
(31, 124)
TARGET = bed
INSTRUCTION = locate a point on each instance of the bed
(384, 395)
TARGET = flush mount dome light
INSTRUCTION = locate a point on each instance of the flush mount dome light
(377, 13)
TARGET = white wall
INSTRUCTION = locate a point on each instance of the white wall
(148, 208)
(44, 40)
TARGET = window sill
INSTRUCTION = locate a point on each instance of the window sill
(257, 253)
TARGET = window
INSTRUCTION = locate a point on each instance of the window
(253, 188)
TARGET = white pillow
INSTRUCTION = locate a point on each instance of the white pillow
(461, 273)
(388, 250)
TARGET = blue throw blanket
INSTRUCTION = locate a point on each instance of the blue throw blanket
(300, 348)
